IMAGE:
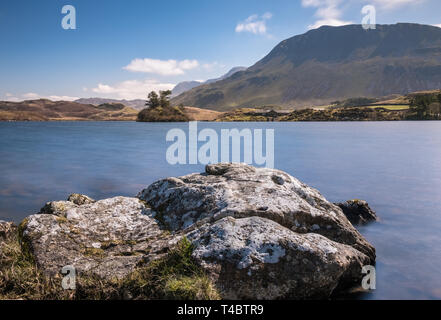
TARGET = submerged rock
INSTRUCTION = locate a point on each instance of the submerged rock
(239, 191)
(108, 237)
(358, 211)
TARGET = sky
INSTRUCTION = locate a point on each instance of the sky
(124, 49)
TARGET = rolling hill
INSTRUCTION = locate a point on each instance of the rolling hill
(137, 104)
(328, 64)
(47, 110)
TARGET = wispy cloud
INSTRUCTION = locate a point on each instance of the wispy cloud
(35, 96)
(328, 12)
(254, 24)
(393, 4)
(161, 67)
(131, 89)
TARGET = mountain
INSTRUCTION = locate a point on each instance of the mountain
(47, 110)
(328, 64)
(181, 87)
(137, 104)
(188, 85)
(227, 75)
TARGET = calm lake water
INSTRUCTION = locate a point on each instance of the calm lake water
(395, 166)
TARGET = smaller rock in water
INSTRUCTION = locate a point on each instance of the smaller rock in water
(80, 199)
(357, 211)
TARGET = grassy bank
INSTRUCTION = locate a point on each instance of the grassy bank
(176, 276)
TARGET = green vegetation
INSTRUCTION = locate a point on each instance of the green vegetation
(159, 109)
(391, 107)
(248, 114)
(425, 106)
(175, 276)
(20, 277)
(354, 102)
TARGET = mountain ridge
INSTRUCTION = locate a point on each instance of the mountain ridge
(331, 63)
(184, 86)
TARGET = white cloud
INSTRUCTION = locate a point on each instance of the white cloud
(31, 96)
(254, 24)
(393, 4)
(213, 66)
(329, 22)
(61, 98)
(328, 13)
(161, 67)
(35, 96)
(437, 25)
(131, 89)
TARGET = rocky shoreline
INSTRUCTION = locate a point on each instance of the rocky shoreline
(232, 232)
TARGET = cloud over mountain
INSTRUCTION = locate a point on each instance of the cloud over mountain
(161, 67)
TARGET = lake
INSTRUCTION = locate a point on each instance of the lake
(395, 166)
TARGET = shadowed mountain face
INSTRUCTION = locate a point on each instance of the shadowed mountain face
(331, 63)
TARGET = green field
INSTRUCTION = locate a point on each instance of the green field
(392, 107)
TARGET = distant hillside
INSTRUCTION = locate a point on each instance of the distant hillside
(227, 75)
(188, 85)
(329, 64)
(137, 104)
(47, 110)
(181, 87)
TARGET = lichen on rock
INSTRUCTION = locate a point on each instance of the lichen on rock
(256, 258)
(240, 190)
(107, 237)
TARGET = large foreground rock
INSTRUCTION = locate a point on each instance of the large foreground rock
(257, 233)
(239, 191)
(108, 237)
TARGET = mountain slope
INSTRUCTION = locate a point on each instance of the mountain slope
(331, 63)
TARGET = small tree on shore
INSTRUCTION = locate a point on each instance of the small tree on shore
(162, 100)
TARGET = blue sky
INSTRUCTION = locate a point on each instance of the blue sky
(122, 49)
